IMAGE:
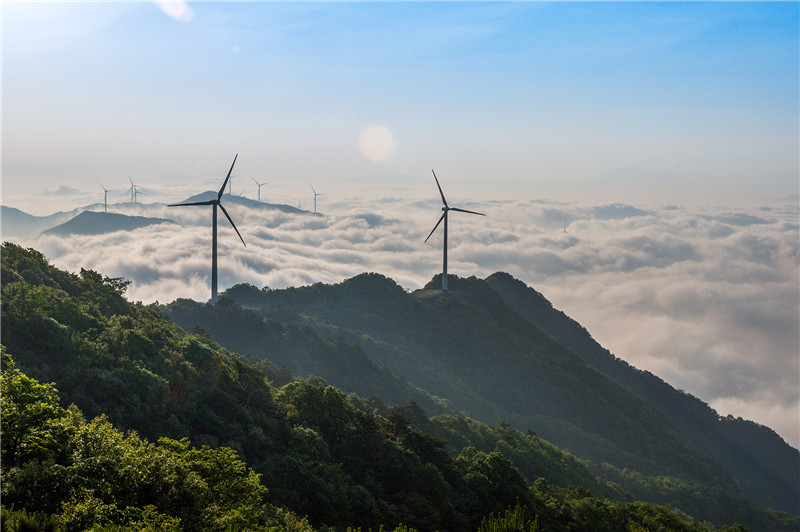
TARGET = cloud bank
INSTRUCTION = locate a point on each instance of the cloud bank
(704, 297)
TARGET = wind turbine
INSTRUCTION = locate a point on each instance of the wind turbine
(134, 191)
(315, 198)
(105, 197)
(445, 210)
(259, 187)
(230, 187)
(216, 203)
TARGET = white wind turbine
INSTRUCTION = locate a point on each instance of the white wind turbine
(105, 197)
(134, 190)
(445, 210)
(259, 187)
(315, 197)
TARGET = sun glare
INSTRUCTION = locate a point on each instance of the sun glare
(176, 9)
(376, 143)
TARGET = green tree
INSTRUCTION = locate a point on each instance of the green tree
(31, 427)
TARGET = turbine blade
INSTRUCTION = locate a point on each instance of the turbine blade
(219, 196)
(464, 210)
(233, 224)
(437, 225)
(440, 188)
(211, 202)
(256, 182)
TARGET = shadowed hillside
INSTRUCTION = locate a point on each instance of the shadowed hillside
(483, 346)
(97, 223)
(754, 455)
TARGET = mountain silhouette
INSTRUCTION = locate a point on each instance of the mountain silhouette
(753, 454)
(20, 224)
(247, 202)
(97, 223)
(498, 351)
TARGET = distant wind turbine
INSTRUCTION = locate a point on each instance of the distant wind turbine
(315, 198)
(230, 187)
(445, 210)
(134, 190)
(216, 203)
(259, 187)
(105, 197)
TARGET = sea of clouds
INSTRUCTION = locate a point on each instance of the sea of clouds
(704, 297)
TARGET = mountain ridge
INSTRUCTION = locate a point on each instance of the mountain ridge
(95, 223)
(713, 437)
(330, 309)
(20, 224)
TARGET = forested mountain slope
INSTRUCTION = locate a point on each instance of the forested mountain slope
(299, 350)
(317, 454)
(766, 467)
(63, 472)
(341, 461)
(477, 347)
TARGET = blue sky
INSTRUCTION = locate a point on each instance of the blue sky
(507, 98)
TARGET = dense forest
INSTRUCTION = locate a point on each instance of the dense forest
(113, 416)
(500, 353)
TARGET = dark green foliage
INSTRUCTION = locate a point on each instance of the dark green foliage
(714, 504)
(752, 454)
(86, 473)
(499, 352)
(31, 425)
(487, 360)
(512, 521)
(210, 411)
(317, 454)
(22, 521)
(533, 457)
(298, 349)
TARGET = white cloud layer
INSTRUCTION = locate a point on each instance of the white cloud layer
(706, 298)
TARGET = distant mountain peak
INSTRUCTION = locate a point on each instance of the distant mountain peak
(96, 223)
(374, 282)
(231, 199)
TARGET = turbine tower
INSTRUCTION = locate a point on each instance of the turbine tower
(105, 197)
(445, 210)
(134, 190)
(216, 203)
(315, 197)
(259, 187)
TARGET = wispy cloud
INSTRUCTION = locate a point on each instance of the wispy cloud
(705, 297)
(63, 190)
